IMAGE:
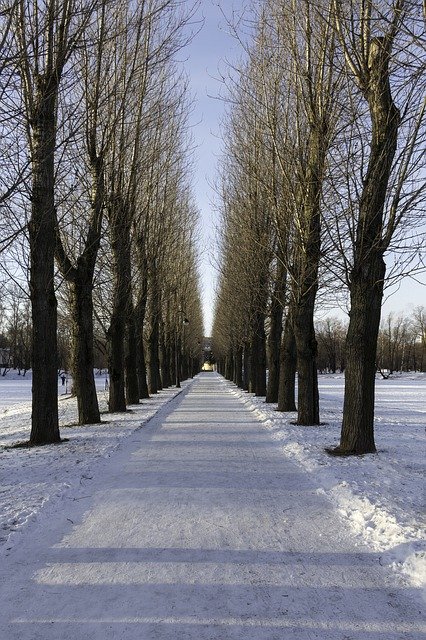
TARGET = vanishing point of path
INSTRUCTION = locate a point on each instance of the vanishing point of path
(199, 528)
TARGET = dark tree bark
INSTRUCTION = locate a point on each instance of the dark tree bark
(307, 387)
(228, 367)
(171, 357)
(82, 357)
(177, 359)
(274, 337)
(367, 276)
(195, 367)
(258, 355)
(234, 367)
(141, 364)
(140, 311)
(165, 369)
(42, 239)
(154, 382)
(239, 367)
(185, 358)
(246, 366)
(288, 367)
(116, 333)
(120, 249)
(131, 358)
(274, 340)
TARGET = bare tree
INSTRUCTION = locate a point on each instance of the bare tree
(380, 43)
(331, 334)
(46, 37)
(166, 29)
(310, 89)
(101, 80)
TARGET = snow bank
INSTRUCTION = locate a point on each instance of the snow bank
(381, 496)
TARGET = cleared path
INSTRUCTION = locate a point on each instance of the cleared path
(198, 528)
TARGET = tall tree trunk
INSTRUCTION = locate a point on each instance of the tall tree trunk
(274, 337)
(42, 239)
(177, 360)
(82, 356)
(185, 353)
(131, 358)
(160, 376)
(274, 342)
(307, 282)
(140, 310)
(234, 366)
(258, 355)
(367, 277)
(239, 367)
(246, 366)
(361, 343)
(116, 335)
(288, 367)
(164, 359)
(307, 381)
(141, 365)
(154, 379)
(120, 239)
(228, 367)
(251, 369)
(171, 357)
(153, 354)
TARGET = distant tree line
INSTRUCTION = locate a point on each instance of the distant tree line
(98, 224)
(401, 344)
(321, 197)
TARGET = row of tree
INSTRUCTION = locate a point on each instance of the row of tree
(401, 343)
(321, 182)
(96, 204)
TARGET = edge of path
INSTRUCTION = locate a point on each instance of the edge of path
(36, 481)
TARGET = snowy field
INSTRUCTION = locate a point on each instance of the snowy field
(380, 496)
(16, 389)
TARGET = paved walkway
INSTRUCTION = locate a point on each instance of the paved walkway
(198, 528)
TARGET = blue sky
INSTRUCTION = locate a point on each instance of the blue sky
(206, 55)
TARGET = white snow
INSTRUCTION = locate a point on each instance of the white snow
(31, 478)
(381, 496)
(15, 389)
(215, 520)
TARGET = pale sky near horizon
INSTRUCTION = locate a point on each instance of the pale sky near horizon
(206, 56)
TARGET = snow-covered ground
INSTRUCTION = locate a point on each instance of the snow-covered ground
(32, 478)
(205, 524)
(380, 496)
(15, 388)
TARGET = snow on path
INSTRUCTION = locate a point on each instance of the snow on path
(200, 529)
